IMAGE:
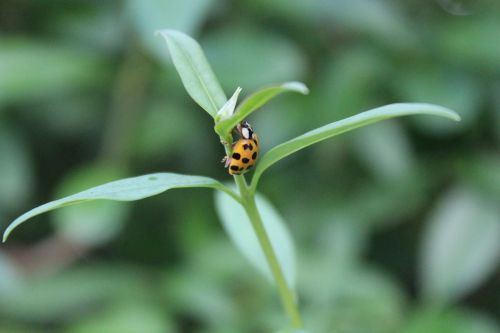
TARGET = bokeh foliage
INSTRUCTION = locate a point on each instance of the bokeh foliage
(397, 225)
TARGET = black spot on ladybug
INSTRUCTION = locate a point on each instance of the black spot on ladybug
(236, 156)
(245, 160)
(246, 146)
(254, 156)
(234, 167)
(256, 143)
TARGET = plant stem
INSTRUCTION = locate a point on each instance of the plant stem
(247, 200)
(287, 295)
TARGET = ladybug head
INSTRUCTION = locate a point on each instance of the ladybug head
(245, 129)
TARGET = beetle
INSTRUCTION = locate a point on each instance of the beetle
(245, 150)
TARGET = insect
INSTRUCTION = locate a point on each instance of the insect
(245, 150)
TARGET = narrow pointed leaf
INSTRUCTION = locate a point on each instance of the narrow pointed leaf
(255, 101)
(240, 230)
(345, 125)
(96, 222)
(128, 189)
(228, 109)
(195, 71)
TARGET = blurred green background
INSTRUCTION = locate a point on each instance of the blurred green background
(397, 225)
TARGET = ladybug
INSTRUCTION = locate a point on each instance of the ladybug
(245, 150)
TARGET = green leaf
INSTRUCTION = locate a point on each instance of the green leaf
(345, 125)
(255, 101)
(128, 189)
(228, 109)
(195, 71)
(92, 223)
(240, 230)
(461, 245)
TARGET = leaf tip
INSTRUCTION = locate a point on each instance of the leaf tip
(169, 33)
(227, 109)
(8, 231)
(297, 86)
(450, 114)
(456, 117)
(5, 235)
(427, 108)
(161, 32)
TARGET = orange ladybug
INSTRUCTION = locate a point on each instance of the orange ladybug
(245, 150)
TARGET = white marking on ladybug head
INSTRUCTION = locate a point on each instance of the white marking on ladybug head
(246, 133)
(245, 129)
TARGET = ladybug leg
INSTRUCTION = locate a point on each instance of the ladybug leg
(226, 160)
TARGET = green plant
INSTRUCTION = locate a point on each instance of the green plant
(250, 220)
